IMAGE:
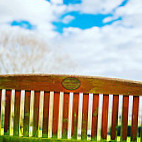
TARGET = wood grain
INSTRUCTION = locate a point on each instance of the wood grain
(45, 113)
(36, 113)
(135, 118)
(75, 115)
(7, 112)
(65, 114)
(95, 115)
(87, 84)
(114, 117)
(85, 116)
(55, 113)
(17, 112)
(26, 113)
(124, 126)
(105, 116)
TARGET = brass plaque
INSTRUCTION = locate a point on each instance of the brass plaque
(71, 83)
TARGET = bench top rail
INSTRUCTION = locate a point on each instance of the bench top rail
(71, 83)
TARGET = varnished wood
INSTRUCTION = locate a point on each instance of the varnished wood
(65, 114)
(7, 111)
(75, 115)
(95, 115)
(26, 113)
(135, 118)
(105, 116)
(87, 84)
(36, 113)
(114, 117)
(125, 118)
(85, 116)
(45, 113)
(17, 112)
(55, 113)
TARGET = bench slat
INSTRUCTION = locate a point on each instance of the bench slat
(65, 115)
(55, 113)
(95, 115)
(124, 126)
(17, 112)
(85, 116)
(114, 117)
(135, 118)
(46, 113)
(26, 114)
(75, 115)
(7, 111)
(105, 116)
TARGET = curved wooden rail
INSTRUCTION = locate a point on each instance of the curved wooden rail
(71, 83)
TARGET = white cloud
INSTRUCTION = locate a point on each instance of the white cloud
(57, 1)
(39, 13)
(114, 50)
(95, 6)
(68, 19)
(109, 51)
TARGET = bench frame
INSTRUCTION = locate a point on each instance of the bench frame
(84, 118)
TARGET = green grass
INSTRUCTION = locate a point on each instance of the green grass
(32, 139)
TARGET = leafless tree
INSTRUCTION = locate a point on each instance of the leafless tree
(22, 52)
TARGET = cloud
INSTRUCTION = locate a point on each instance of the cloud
(57, 1)
(40, 13)
(113, 50)
(95, 6)
(67, 19)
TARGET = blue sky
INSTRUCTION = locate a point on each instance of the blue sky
(80, 20)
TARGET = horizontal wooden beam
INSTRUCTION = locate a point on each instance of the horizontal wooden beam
(70, 83)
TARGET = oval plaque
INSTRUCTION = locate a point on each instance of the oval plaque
(71, 83)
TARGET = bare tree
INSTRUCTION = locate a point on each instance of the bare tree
(22, 52)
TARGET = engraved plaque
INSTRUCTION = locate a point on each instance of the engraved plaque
(71, 83)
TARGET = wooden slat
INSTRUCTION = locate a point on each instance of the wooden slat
(7, 112)
(17, 112)
(55, 113)
(114, 117)
(65, 114)
(95, 115)
(85, 116)
(26, 113)
(105, 116)
(84, 84)
(45, 113)
(36, 113)
(75, 115)
(135, 118)
(124, 125)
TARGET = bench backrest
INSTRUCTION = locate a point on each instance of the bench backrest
(70, 107)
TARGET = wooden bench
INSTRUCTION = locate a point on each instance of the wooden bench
(64, 107)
